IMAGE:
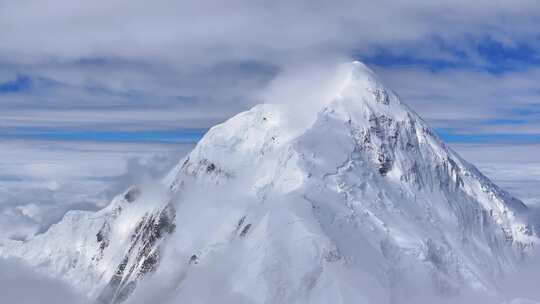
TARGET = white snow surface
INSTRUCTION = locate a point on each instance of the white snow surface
(359, 203)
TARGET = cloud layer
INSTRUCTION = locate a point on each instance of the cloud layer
(41, 181)
(471, 68)
(189, 64)
(21, 284)
(117, 70)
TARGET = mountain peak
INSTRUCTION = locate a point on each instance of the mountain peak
(302, 202)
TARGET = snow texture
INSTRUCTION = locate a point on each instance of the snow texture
(355, 201)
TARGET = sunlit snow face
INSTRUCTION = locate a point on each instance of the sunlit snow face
(289, 235)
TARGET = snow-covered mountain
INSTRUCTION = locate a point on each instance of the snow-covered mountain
(354, 201)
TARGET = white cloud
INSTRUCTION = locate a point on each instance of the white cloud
(516, 168)
(20, 284)
(108, 61)
(465, 99)
(41, 181)
(209, 30)
(136, 65)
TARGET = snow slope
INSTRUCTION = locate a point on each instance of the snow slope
(355, 201)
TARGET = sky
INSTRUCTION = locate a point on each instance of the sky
(93, 94)
(97, 95)
(79, 70)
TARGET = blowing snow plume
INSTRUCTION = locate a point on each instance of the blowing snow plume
(359, 202)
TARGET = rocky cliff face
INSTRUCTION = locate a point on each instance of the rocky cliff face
(362, 203)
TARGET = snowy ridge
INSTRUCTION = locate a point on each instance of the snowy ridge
(359, 203)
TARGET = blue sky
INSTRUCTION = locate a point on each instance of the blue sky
(494, 59)
(97, 95)
(19, 84)
(92, 96)
(491, 58)
(489, 55)
(161, 74)
(181, 136)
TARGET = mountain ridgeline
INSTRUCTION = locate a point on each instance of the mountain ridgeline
(359, 203)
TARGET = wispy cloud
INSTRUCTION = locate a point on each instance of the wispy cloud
(514, 167)
(125, 64)
(23, 285)
(472, 101)
(112, 71)
(78, 77)
(41, 180)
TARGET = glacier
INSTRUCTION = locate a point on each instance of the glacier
(351, 200)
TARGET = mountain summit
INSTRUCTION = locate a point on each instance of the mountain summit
(356, 201)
